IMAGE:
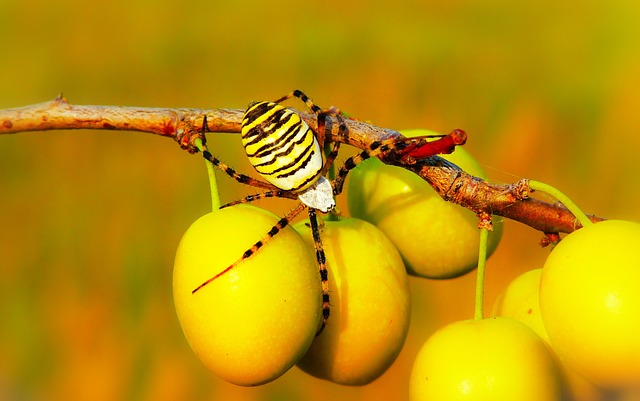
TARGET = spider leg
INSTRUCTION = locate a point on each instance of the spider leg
(241, 178)
(322, 267)
(375, 148)
(280, 225)
(322, 115)
(270, 194)
(407, 148)
(300, 95)
(342, 133)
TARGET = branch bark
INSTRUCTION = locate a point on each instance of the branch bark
(184, 125)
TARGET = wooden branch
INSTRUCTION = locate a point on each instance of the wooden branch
(184, 126)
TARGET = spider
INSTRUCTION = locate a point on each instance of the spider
(287, 153)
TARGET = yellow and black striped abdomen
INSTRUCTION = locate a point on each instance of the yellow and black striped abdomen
(281, 146)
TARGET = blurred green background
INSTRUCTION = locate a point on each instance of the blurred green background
(89, 221)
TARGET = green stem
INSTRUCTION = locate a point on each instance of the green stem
(213, 183)
(482, 262)
(564, 199)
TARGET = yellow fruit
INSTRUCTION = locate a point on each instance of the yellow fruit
(436, 239)
(497, 359)
(520, 300)
(250, 325)
(370, 304)
(590, 302)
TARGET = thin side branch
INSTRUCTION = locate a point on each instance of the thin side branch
(511, 201)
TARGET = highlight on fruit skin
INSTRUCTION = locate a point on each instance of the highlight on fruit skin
(252, 324)
(370, 304)
(590, 302)
(414, 216)
(497, 359)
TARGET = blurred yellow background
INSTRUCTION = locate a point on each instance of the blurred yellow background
(89, 221)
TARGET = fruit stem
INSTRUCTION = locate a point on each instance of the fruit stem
(213, 183)
(482, 262)
(564, 199)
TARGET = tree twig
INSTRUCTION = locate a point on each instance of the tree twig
(184, 125)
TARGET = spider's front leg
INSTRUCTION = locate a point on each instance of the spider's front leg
(406, 149)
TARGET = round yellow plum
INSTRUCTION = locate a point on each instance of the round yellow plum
(497, 359)
(435, 238)
(370, 304)
(520, 300)
(252, 324)
(590, 302)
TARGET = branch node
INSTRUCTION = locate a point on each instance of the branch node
(522, 190)
(484, 221)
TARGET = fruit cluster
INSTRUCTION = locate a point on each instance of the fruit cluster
(253, 324)
(570, 330)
